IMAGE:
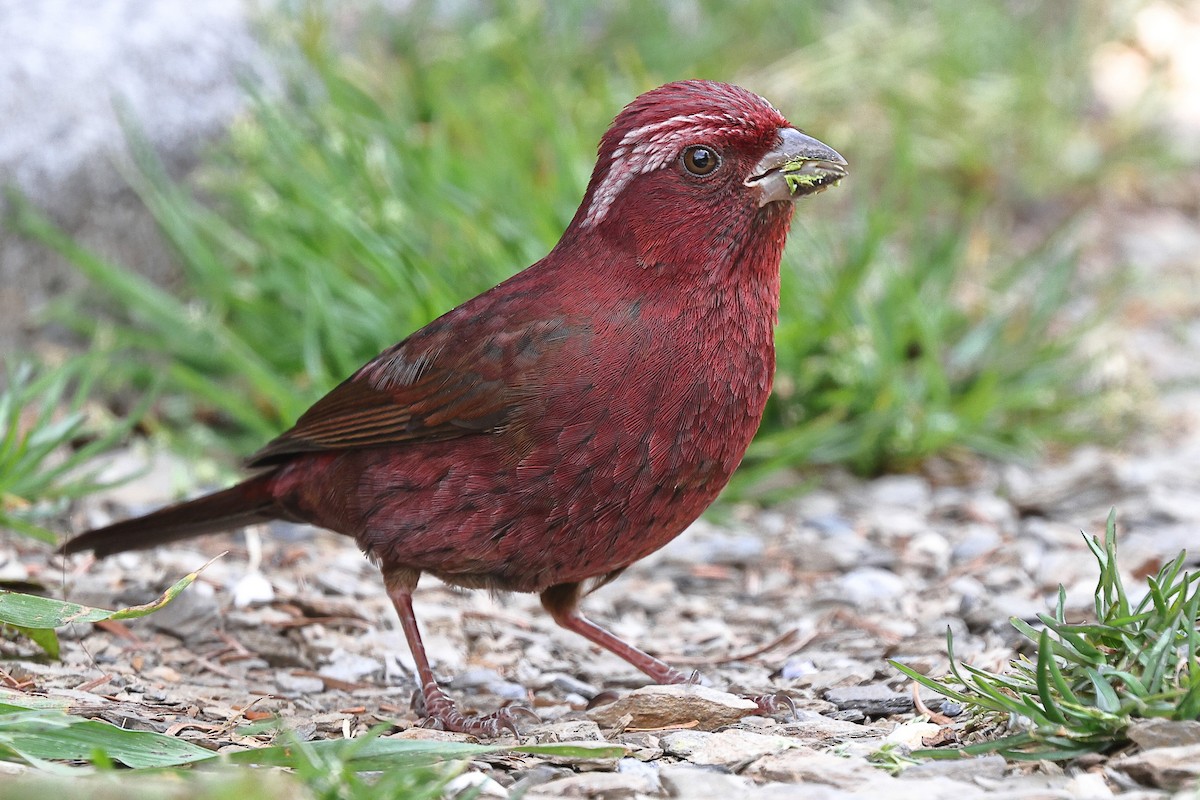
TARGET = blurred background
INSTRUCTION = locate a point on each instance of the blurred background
(215, 211)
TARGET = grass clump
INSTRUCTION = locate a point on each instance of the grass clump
(49, 441)
(1089, 681)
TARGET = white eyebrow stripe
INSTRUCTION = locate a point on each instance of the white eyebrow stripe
(650, 147)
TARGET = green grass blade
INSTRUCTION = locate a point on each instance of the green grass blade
(380, 753)
(1106, 697)
(1045, 672)
(31, 612)
(37, 736)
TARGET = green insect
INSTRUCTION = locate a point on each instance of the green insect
(804, 176)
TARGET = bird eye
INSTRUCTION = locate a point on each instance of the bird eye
(700, 160)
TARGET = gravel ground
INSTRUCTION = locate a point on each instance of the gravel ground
(811, 596)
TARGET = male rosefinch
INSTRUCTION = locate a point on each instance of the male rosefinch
(575, 418)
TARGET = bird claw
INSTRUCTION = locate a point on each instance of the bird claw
(440, 713)
(529, 714)
(775, 704)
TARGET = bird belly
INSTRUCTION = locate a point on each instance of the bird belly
(590, 498)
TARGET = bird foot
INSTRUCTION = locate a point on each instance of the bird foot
(778, 704)
(440, 712)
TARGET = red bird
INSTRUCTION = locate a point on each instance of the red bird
(577, 417)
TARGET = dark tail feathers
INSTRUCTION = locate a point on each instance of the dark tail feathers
(246, 503)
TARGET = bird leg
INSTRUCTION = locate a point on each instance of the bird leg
(562, 603)
(435, 705)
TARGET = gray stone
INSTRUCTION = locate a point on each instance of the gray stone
(818, 729)
(633, 766)
(489, 680)
(805, 765)
(298, 685)
(730, 748)
(946, 789)
(194, 614)
(665, 706)
(686, 781)
(868, 586)
(1152, 733)
(475, 678)
(827, 677)
(705, 543)
(276, 649)
(892, 523)
(473, 784)
(966, 769)
(902, 491)
(536, 776)
(351, 667)
(832, 525)
(682, 744)
(420, 734)
(797, 667)
(1086, 480)
(1170, 768)
(600, 785)
(851, 776)
(791, 791)
(574, 730)
(928, 551)
(641, 745)
(974, 541)
(873, 700)
(572, 685)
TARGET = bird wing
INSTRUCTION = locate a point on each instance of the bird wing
(458, 376)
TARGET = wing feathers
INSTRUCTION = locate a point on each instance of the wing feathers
(456, 391)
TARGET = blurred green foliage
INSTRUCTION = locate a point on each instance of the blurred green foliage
(49, 438)
(414, 160)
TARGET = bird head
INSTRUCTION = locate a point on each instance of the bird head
(687, 171)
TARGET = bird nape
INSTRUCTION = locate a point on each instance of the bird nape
(548, 433)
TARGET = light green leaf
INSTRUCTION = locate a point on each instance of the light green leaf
(38, 735)
(37, 617)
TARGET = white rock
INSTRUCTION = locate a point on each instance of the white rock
(252, 589)
(911, 733)
(1088, 786)
(901, 491)
(473, 784)
(866, 586)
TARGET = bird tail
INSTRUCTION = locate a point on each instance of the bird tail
(246, 503)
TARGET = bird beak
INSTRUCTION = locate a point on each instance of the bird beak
(798, 165)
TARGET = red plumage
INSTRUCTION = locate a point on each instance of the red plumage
(578, 416)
